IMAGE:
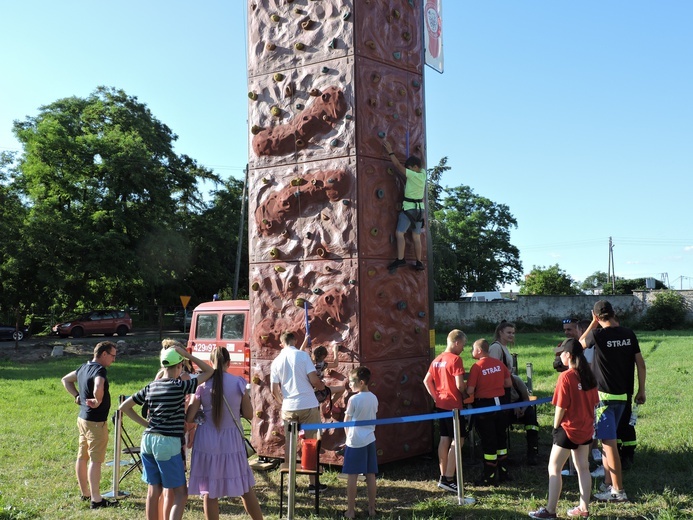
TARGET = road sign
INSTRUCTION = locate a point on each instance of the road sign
(185, 300)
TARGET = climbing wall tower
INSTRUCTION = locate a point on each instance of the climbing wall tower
(327, 80)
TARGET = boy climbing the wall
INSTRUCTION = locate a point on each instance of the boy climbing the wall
(413, 209)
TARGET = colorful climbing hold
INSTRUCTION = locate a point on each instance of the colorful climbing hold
(380, 193)
(300, 302)
(275, 17)
(415, 83)
(418, 111)
(397, 55)
(325, 70)
(406, 36)
(255, 286)
(333, 43)
(321, 252)
(279, 268)
(315, 92)
(299, 46)
(370, 44)
(270, 46)
(371, 272)
(300, 106)
(252, 95)
(396, 14)
(307, 24)
(381, 135)
(255, 129)
(374, 231)
(276, 111)
(274, 252)
(377, 336)
(278, 77)
(401, 305)
(334, 142)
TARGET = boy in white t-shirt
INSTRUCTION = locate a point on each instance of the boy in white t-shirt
(360, 455)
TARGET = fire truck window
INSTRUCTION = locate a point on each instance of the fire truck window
(206, 326)
(232, 326)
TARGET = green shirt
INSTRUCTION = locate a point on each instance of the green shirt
(414, 188)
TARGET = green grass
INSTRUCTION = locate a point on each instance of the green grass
(38, 444)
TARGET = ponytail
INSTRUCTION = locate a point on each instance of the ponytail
(220, 356)
(587, 379)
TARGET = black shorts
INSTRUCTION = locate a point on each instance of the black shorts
(446, 428)
(561, 439)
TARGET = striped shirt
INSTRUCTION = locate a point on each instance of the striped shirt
(166, 401)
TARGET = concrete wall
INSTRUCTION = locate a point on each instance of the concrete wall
(535, 309)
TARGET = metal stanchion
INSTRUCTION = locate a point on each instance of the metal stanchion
(459, 440)
(117, 442)
(530, 375)
(291, 488)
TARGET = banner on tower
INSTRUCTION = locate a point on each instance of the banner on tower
(433, 25)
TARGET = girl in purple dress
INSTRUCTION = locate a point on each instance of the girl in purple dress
(219, 465)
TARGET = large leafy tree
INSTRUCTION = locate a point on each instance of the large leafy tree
(549, 281)
(471, 241)
(106, 196)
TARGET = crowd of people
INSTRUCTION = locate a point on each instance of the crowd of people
(593, 396)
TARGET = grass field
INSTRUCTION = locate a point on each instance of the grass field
(38, 440)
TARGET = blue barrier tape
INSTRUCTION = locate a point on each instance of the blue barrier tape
(424, 417)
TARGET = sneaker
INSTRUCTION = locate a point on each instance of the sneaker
(604, 487)
(103, 503)
(311, 488)
(397, 263)
(448, 485)
(542, 513)
(599, 472)
(419, 266)
(596, 455)
(612, 496)
(577, 512)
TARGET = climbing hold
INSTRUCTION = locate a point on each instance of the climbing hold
(274, 252)
(406, 36)
(300, 106)
(333, 43)
(256, 380)
(330, 181)
(309, 235)
(325, 117)
(255, 129)
(396, 14)
(402, 92)
(276, 111)
(299, 46)
(334, 142)
(315, 92)
(300, 302)
(418, 111)
(328, 269)
(265, 221)
(403, 379)
(345, 202)
(275, 17)
(265, 180)
(352, 282)
(397, 55)
(374, 231)
(415, 83)
(264, 338)
(348, 117)
(417, 330)
(270, 46)
(390, 103)
(371, 272)
(380, 193)
(372, 102)
(375, 78)
(370, 44)
(275, 433)
(395, 116)
(377, 336)
(314, 182)
(317, 290)
(401, 305)
(325, 70)
(321, 252)
(346, 15)
(380, 451)
(300, 143)
(307, 24)
(298, 10)
(381, 135)
(390, 171)
(278, 77)
(288, 91)
(258, 413)
(255, 286)
(422, 314)
(292, 285)
(252, 95)
(330, 320)
(324, 216)
(279, 268)
(297, 181)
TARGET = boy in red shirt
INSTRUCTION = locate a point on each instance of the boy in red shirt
(444, 382)
(490, 382)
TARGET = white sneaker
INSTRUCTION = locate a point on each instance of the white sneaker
(596, 455)
(611, 496)
(599, 472)
(603, 487)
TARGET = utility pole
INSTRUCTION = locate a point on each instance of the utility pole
(611, 272)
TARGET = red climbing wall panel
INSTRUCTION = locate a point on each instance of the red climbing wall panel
(327, 80)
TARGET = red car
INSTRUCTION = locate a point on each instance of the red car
(96, 322)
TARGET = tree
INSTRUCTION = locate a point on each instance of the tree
(548, 281)
(668, 311)
(596, 281)
(106, 198)
(471, 240)
(627, 286)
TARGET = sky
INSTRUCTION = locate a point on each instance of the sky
(576, 115)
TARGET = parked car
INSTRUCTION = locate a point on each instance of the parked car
(178, 321)
(107, 322)
(10, 332)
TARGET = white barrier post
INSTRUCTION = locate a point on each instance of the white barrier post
(459, 441)
(117, 445)
(530, 375)
(291, 488)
